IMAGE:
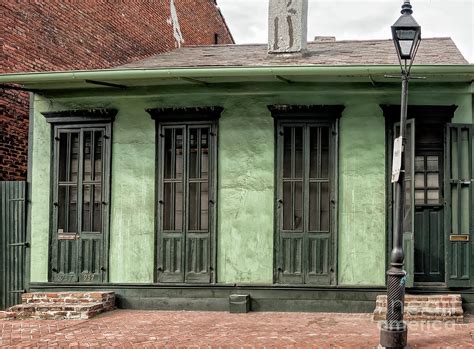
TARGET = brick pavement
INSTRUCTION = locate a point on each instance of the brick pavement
(149, 329)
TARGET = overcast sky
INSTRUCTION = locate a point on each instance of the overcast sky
(359, 19)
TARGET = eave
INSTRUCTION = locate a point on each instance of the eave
(124, 78)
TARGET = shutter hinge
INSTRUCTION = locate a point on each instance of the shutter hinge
(17, 291)
(106, 136)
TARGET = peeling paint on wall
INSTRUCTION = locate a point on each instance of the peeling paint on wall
(173, 20)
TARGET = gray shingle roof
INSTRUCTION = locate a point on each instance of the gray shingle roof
(431, 51)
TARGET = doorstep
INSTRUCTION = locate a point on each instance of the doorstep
(446, 307)
(61, 305)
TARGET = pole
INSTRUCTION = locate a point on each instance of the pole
(393, 333)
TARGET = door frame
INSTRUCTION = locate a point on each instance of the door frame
(184, 116)
(105, 225)
(440, 114)
(82, 118)
(212, 215)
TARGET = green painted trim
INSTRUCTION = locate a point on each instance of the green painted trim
(29, 176)
(263, 297)
(178, 73)
(216, 297)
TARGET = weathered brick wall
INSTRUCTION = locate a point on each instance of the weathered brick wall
(89, 34)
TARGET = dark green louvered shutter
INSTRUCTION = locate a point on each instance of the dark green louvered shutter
(186, 204)
(80, 204)
(459, 194)
(306, 202)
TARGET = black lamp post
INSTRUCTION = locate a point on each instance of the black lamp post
(406, 35)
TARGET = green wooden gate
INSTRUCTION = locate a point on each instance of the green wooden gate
(13, 242)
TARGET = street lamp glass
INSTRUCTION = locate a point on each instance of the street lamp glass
(405, 41)
(406, 34)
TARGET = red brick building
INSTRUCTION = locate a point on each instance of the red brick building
(51, 36)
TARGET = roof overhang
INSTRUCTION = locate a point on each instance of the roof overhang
(122, 79)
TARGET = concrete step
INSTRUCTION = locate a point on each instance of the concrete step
(61, 305)
(446, 307)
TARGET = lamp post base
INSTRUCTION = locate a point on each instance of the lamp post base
(396, 338)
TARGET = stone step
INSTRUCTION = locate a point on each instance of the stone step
(425, 308)
(53, 311)
(6, 315)
(61, 305)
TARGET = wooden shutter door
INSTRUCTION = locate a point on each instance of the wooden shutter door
(80, 208)
(319, 188)
(290, 238)
(93, 203)
(64, 249)
(186, 203)
(305, 170)
(171, 204)
(459, 225)
(198, 183)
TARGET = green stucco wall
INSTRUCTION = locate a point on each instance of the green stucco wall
(246, 179)
(133, 195)
(40, 199)
(362, 195)
(245, 175)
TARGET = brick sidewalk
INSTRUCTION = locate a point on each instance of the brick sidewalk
(149, 329)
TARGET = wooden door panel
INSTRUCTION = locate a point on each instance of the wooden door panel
(318, 259)
(91, 258)
(429, 245)
(171, 258)
(197, 258)
(460, 259)
(291, 258)
(64, 262)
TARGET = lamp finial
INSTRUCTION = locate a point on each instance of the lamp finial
(406, 8)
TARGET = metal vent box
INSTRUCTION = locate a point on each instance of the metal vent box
(239, 303)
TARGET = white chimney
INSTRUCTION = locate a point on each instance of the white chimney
(287, 26)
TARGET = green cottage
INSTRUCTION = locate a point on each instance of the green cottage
(211, 171)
